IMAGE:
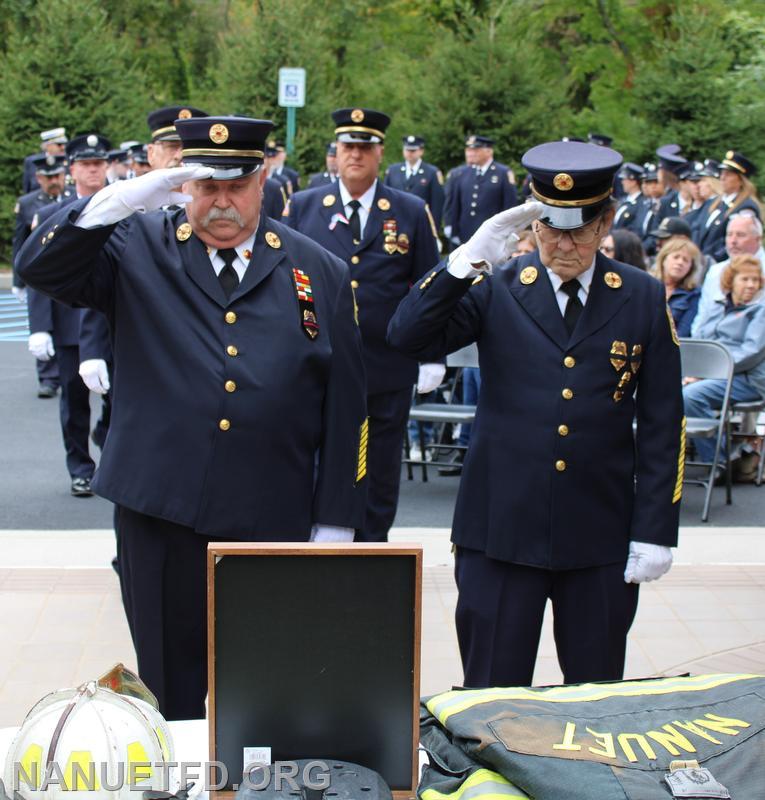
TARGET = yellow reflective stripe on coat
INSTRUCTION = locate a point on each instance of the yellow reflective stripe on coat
(484, 784)
(443, 706)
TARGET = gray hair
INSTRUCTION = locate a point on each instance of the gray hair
(753, 220)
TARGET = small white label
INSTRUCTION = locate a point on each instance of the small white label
(256, 755)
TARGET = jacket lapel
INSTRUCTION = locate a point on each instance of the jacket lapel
(197, 263)
(342, 231)
(538, 300)
(264, 260)
(375, 218)
(602, 302)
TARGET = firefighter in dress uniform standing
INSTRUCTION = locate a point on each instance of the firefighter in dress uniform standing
(418, 177)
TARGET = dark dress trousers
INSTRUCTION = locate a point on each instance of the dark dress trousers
(381, 279)
(555, 482)
(237, 419)
(426, 183)
(475, 198)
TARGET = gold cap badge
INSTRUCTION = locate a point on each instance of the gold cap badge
(383, 204)
(219, 133)
(357, 115)
(528, 275)
(730, 154)
(272, 240)
(184, 113)
(183, 232)
(329, 200)
(613, 281)
(563, 182)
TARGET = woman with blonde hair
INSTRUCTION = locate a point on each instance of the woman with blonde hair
(677, 267)
(738, 322)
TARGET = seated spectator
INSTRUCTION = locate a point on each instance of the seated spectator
(677, 266)
(743, 236)
(625, 246)
(738, 322)
(526, 243)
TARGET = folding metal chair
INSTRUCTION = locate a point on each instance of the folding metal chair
(747, 419)
(441, 414)
(706, 359)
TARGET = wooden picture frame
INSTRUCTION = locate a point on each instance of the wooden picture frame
(292, 619)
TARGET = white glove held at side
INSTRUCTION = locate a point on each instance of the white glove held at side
(430, 377)
(146, 193)
(41, 346)
(20, 293)
(331, 533)
(95, 375)
(647, 562)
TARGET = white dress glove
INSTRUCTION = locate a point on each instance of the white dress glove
(331, 533)
(41, 346)
(430, 377)
(493, 243)
(647, 562)
(20, 293)
(95, 375)
(147, 193)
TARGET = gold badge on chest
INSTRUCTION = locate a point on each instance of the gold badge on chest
(183, 232)
(613, 281)
(383, 204)
(528, 275)
(272, 240)
(328, 200)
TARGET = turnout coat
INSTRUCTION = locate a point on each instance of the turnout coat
(554, 476)
(228, 415)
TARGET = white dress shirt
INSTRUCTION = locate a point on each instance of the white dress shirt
(243, 252)
(484, 169)
(585, 279)
(366, 201)
(412, 170)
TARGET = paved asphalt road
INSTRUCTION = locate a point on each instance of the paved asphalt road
(34, 490)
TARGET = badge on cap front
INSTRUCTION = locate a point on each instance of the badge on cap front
(184, 113)
(357, 115)
(218, 133)
(563, 182)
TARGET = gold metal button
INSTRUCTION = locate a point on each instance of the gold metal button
(232, 350)
(224, 424)
(355, 259)
(229, 386)
(354, 284)
(563, 430)
(567, 394)
(560, 465)
(230, 317)
(569, 361)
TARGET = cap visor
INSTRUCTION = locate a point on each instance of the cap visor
(225, 172)
(358, 138)
(567, 219)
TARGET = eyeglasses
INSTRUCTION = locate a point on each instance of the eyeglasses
(580, 236)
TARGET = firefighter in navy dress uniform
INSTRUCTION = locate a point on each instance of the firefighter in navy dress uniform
(388, 239)
(50, 171)
(632, 210)
(559, 498)
(418, 177)
(329, 176)
(238, 407)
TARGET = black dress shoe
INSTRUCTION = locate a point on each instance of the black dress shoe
(47, 390)
(81, 487)
(453, 457)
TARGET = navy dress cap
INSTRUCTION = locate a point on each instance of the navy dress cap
(711, 168)
(600, 139)
(573, 180)
(632, 171)
(54, 135)
(49, 165)
(668, 150)
(139, 153)
(161, 121)
(88, 147)
(119, 155)
(413, 142)
(650, 172)
(235, 146)
(479, 141)
(360, 125)
(685, 171)
(332, 149)
(672, 226)
(738, 163)
(672, 163)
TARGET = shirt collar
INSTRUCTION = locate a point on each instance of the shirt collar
(243, 249)
(366, 199)
(585, 278)
(485, 168)
(729, 198)
(414, 167)
(634, 196)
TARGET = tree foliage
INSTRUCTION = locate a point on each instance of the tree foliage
(523, 71)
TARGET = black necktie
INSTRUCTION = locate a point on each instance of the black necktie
(355, 221)
(228, 278)
(574, 306)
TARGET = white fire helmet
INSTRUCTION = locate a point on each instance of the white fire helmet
(105, 740)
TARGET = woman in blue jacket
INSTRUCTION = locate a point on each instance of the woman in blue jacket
(677, 267)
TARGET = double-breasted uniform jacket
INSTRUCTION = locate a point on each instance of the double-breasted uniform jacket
(426, 183)
(397, 247)
(26, 207)
(554, 476)
(321, 179)
(221, 408)
(475, 198)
